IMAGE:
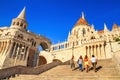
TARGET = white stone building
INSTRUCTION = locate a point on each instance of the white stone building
(19, 46)
(85, 40)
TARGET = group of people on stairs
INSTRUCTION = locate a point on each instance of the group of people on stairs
(84, 63)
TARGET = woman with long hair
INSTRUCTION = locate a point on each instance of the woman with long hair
(86, 62)
(80, 63)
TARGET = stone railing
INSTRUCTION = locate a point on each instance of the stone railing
(12, 71)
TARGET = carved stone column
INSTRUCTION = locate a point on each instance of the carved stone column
(2, 48)
(6, 48)
(14, 50)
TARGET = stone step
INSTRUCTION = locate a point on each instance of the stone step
(64, 72)
(68, 78)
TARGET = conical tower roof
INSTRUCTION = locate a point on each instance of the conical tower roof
(22, 15)
(105, 27)
(81, 21)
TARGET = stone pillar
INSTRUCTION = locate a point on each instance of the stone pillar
(14, 50)
(27, 53)
(0, 45)
(105, 51)
(2, 48)
(95, 52)
(90, 51)
(10, 49)
(22, 52)
(6, 48)
(102, 52)
(98, 51)
(26, 49)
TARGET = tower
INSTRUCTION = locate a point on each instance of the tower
(20, 22)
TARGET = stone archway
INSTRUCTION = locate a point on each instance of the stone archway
(30, 59)
(57, 60)
(42, 60)
(44, 45)
(34, 59)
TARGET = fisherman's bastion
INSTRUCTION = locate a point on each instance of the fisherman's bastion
(19, 46)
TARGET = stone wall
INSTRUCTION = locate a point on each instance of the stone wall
(10, 62)
(66, 54)
(12, 71)
(116, 59)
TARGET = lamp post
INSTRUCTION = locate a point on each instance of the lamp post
(73, 49)
(110, 45)
(21, 50)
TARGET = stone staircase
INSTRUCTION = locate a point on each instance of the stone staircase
(106, 71)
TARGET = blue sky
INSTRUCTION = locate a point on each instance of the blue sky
(55, 18)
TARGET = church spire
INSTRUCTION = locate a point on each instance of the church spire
(81, 20)
(69, 34)
(105, 27)
(92, 26)
(22, 15)
(20, 22)
(83, 15)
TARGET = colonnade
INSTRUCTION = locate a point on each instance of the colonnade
(14, 49)
(19, 50)
(4, 47)
(98, 50)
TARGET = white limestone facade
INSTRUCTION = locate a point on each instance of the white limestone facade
(19, 46)
(83, 40)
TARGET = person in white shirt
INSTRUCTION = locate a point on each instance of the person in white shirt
(94, 62)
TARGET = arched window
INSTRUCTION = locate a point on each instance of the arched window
(83, 32)
(28, 39)
(8, 33)
(20, 36)
(88, 30)
(13, 23)
(24, 26)
(21, 24)
(35, 44)
(92, 37)
(17, 23)
(32, 41)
